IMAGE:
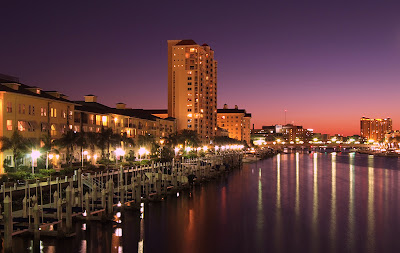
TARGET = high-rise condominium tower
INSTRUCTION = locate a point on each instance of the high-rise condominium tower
(192, 87)
(375, 129)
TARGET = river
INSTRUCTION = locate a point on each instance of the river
(319, 202)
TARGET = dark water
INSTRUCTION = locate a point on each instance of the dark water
(292, 203)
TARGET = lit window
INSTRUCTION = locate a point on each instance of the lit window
(21, 125)
(53, 112)
(43, 111)
(9, 125)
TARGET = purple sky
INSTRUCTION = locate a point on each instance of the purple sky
(327, 64)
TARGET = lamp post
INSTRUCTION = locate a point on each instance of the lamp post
(118, 153)
(142, 151)
(35, 155)
(83, 153)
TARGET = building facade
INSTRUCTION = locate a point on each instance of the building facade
(236, 121)
(192, 87)
(35, 113)
(91, 116)
(374, 129)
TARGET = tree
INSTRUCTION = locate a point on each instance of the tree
(106, 139)
(67, 141)
(185, 137)
(126, 141)
(17, 143)
(92, 140)
(225, 140)
(167, 154)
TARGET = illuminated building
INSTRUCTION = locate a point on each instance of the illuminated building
(32, 111)
(288, 132)
(236, 122)
(91, 116)
(36, 113)
(374, 129)
(192, 87)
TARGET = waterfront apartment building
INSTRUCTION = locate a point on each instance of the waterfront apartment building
(91, 116)
(374, 129)
(236, 121)
(192, 87)
(33, 112)
(38, 114)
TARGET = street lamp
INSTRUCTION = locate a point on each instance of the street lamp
(142, 151)
(35, 155)
(119, 152)
(83, 153)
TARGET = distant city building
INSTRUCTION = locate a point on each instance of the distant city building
(392, 136)
(192, 87)
(287, 133)
(375, 129)
(236, 121)
(321, 137)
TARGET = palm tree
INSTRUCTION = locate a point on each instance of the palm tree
(106, 139)
(17, 143)
(146, 140)
(127, 141)
(67, 141)
(185, 137)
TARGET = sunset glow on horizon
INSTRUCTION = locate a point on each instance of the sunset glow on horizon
(327, 65)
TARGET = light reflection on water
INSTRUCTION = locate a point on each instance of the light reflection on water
(333, 205)
(331, 202)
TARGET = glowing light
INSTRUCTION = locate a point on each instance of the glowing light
(85, 152)
(35, 154)
(216, 147)
(51, 156)
(188, 149)
(104, 119)
(176, 149)
(205, 148)
(95, 157)
(119, 152)
(57, 157)
(142, 151)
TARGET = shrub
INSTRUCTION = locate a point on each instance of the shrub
(19, 175)
(47, 172)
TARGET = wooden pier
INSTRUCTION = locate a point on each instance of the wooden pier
(49, 208)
